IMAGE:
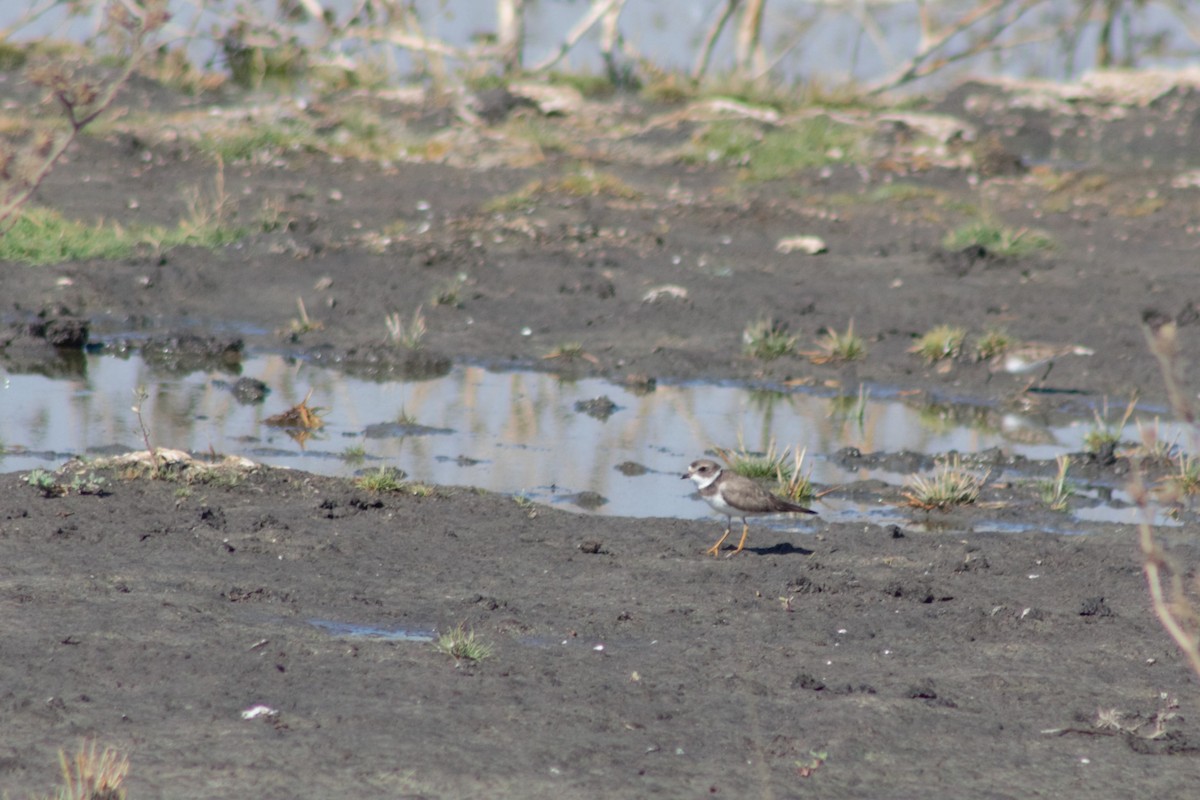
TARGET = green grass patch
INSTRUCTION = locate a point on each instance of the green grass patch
(462, 645)
(256, 142)
(778, 152)
(43, 236)
(998, 239)
(582, 182)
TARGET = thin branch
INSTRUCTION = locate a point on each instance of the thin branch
(710, 40)
(924, 62)
(597, 12)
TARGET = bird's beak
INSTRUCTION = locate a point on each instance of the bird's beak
(685, 476)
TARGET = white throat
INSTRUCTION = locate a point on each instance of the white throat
(704, 483)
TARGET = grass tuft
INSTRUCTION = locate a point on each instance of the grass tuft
(410, 336)
(941, 342)
(767, 339)
(796, 483)
(950, 485)
(384, 479)
(93, 774)
(770, 465)
(993, 342)
(837, 348)
(462, 645)
(1105, 434)
(998, 239)
(1057, 491)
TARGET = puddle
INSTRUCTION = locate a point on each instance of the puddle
(346, 630)
(521, 433)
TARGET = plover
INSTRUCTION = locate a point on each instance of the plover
(736, 496)
(1031, 356)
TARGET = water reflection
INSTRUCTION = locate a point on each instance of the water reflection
(513, 432)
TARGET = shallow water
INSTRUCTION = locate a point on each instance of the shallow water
(516, 432)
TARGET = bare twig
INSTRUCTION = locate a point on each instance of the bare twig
(598, 10)
(81, 100)
(930, 55)
(710, 40)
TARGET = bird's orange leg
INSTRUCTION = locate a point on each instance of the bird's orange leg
(742, 543)
(716, 548)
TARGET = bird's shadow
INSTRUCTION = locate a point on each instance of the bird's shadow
(781, 549)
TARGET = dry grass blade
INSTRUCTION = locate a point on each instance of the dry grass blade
(1174, 606)
(93, 774)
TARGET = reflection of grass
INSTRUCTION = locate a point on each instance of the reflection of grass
(943, 341)
(354, 454)
(950, 485)
(850, 407)
(998, 239)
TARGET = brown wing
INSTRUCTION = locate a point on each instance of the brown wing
(779, 504)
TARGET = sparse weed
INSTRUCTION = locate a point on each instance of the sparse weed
(998, 239)
(1153, 448)
(1186, 479)
(384, 479)
(588, 182)
(767, 339)
(462, 645)
(140, 395)
(89, 483)
(44, 482)
(1105, 435)
(410, 336)
(570, 352)
(835, 347)
(950, 485)
(941, 342)
(450, 292)
(1056, 492)
(304, 324)
(993, 342)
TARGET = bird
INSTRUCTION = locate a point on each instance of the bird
(1030, 356)
(735, 496)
